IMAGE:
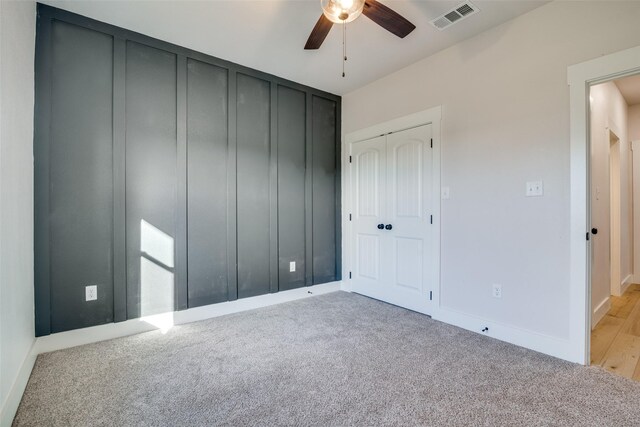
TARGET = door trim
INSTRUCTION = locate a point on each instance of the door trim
(431, 117)
(579, 78)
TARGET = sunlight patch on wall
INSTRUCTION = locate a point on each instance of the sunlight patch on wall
(157, 289)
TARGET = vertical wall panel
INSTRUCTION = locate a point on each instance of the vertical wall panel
(207, 117)
(181, 266)
(273, 189)
(81, 188)
(253, 163)
(119, 183)
(151, 179)
(291, 186)
(232, 205)
(324, 189)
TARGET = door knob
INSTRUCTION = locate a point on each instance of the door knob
(380, 226)
(594, 231)
(388, 226)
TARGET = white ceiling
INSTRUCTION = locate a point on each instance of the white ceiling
(630, 89)
(270, 35)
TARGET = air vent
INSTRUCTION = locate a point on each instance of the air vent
(465, 9)
(453, 16)
(457, 14)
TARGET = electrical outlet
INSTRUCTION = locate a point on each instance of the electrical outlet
(535, 189)
(91, 293)
(497, 291)
(292, 266)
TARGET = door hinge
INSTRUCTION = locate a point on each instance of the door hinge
(587, 235)
(430, 295)
(349, 275)
(431, 219)
(349, 217)
(350, 159)
(431, 142)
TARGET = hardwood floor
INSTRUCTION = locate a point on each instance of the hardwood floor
(615, 341)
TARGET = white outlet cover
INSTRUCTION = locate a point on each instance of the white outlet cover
(497, 291)
(445, 193)
(91, 293)
(535, 189)
(292, 266)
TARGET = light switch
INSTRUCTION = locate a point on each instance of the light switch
(535, 189)
(292, 266)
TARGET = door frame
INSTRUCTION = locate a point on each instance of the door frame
(615, 213)
(580, 77)
(431, 117)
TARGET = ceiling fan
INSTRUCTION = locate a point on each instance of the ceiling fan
(344, 11)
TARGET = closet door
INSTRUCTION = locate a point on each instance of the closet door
(392, 198)
(407, 221)
(368, 178)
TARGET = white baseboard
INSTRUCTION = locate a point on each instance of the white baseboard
(553, 346)
(165, 321)
(600, 311)
(12, 401)
(626, 283)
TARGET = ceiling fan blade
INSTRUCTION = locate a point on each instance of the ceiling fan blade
(319, 33)
(387, 18)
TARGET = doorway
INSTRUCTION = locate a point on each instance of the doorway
(580, 78)
(615, 297)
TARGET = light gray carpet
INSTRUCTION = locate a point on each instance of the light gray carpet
(337, 359)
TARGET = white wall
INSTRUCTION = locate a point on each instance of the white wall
(633, 117)
(17, 46)
(634, 122)
(505, 122)
(609, 114)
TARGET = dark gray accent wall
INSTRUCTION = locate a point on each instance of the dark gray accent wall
(171, 179)
(80, 177)
(151, 177)
(253, 130)
(324, 190)
(291, 186)
(207, 134)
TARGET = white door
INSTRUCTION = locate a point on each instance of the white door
(392, 231)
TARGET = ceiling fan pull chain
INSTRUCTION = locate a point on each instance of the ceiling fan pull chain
(344, 46)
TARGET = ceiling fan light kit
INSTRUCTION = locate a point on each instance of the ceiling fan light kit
(342, 11)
